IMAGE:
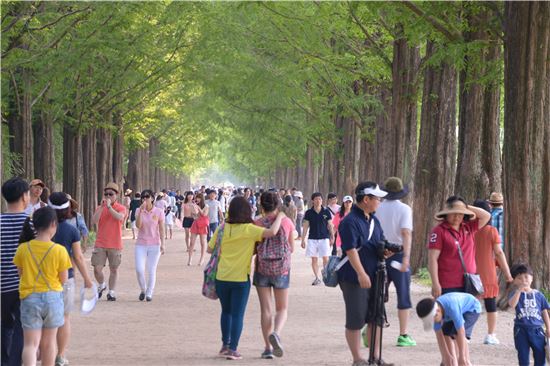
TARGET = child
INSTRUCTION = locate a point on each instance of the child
(531, 312)
(455, 314)
(169, 221)
(43, 269)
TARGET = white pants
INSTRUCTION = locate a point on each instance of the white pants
(147, 258)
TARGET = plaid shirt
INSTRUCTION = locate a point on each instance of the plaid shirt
(497, 220)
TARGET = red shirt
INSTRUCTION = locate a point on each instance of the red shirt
(109, 229)
(443, 237)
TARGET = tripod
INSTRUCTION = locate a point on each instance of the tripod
(379, 318)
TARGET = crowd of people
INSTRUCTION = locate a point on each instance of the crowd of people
(43, 238)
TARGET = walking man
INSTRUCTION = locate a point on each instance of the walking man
(318, 222)
(108, 245)
(16, 193)
(396, 220)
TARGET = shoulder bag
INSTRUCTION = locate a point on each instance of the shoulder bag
(472, 281)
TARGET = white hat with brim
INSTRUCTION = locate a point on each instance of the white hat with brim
(428, 320)
(88, 299)
(347, 198)
(455, 207)
(372, 191)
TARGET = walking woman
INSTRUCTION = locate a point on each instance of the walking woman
(188, 213)
(149, 244)
(345, 209)
(68, 236)
(233, 277)
(289, 208)
(199, 228)
(273, 274)
(43, 268)
(487, 242)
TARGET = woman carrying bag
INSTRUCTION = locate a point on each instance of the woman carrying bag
(233, 272)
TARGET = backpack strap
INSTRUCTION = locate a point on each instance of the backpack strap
(39, 265)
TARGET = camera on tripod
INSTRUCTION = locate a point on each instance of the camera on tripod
(384, 245)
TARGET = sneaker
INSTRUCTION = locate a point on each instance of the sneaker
(61, 361)
(360, 363)
(317, 282)
(405, 340)
(148, 298)
(276, 343)
(491, 339)
(141, 296)
(267, 354)
(223, 351)
(100, 290)
(233, 355)
(381, 362)
(111, 296)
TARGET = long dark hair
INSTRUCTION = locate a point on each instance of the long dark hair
(187, 194)
(269, 201)
(58, 199)
(201, 196)
(41, 220)
(239, 211)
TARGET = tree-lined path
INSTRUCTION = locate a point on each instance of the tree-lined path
(181, 327)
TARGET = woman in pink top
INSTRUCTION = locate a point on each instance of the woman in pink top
(345, 209)
(149, 243)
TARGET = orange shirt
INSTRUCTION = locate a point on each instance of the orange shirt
(109, 229)
(485, 240)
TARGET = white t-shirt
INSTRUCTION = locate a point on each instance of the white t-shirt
(213, 210)
(394, 215)
(169, 218)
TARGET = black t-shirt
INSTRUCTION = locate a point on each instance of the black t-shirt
(179, 200)
(318, 223)
(134, 205)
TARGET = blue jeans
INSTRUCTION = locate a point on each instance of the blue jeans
(211, 228)
(12, 331)
(526, 338)
(233, 298)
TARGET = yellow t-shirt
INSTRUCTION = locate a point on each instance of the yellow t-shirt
(237, 248)
(57, 261)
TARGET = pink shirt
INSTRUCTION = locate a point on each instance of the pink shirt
(286, 224)
(336, 222)
(148, 233)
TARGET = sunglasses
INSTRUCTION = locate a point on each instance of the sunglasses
(107, 194)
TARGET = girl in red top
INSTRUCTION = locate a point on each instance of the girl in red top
(488, 249)
(199, 227)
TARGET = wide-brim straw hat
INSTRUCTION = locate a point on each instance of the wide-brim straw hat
(455, 207)
(496, 197)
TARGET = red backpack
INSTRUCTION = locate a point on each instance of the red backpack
(273, 253)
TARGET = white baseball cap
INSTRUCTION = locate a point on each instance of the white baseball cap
(376, 191)
(347, 198)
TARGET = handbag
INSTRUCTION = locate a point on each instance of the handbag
(329, 272)
(211, 269)
(472, 281)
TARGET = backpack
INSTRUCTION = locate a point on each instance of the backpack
(273, 253)
(211, 269)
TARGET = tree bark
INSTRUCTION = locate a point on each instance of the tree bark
(118, 153)
(527, 136)
(104, 159)
(90, 197)
(72, 163)
(436, 160)
(44, 150)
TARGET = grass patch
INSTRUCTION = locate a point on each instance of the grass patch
(546, 293)
(423, 277)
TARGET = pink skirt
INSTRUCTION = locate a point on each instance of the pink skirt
(200, 226)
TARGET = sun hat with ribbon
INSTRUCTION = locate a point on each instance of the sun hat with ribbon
(455, 207)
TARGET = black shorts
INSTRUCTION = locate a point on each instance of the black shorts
(357, 305)
(187, 222)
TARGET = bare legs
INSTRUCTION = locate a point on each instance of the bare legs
(63, 336)
(45, 338)
(191, 247)
(187, 238)
(203, 249)
(281, 311)
(491, 322)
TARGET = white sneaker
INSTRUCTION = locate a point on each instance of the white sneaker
(491, 339)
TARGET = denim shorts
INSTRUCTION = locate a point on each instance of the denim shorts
(42, 310)
(277, 282)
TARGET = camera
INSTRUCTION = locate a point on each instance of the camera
(384, 245)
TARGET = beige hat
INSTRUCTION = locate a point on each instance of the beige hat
(128, 191)
(37, 182)
(496, 197)
(113, 186)
(455, 207)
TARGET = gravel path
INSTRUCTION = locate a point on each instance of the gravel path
(180, 327)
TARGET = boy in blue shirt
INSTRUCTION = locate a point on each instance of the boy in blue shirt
(531, 313)
(454, 314)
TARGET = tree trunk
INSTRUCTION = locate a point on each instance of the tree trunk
(474, 154)
(104, 159)
(44, 150)
(527, 136)
(89, 162)
(403, 121)
(118, 153)
(435, 167)
(72, 163)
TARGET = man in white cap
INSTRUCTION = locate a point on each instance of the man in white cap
(397, 223)
(455, 314)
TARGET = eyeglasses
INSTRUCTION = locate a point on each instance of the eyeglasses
(376, 198)
(106, 194)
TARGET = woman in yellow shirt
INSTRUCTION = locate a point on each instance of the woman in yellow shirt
(43, 268)
(240, 236)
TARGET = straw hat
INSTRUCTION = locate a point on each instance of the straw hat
(455, 207)
(496, 197)
(112, 186)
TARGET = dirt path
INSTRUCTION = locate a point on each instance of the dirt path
(180, 327)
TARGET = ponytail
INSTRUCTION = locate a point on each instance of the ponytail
(41, 220)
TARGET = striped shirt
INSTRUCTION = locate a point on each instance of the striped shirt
(11, 225)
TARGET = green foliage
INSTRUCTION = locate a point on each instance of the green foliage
(423, 277)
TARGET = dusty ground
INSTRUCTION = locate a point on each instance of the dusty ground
(181, 327)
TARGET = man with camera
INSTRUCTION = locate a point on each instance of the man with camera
(361, 232)
(396, 220)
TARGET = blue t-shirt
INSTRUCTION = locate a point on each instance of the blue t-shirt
(318, 223)
(354, 231)
(455, 305)
(497, 221)
(529, 309)
(66, 235)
